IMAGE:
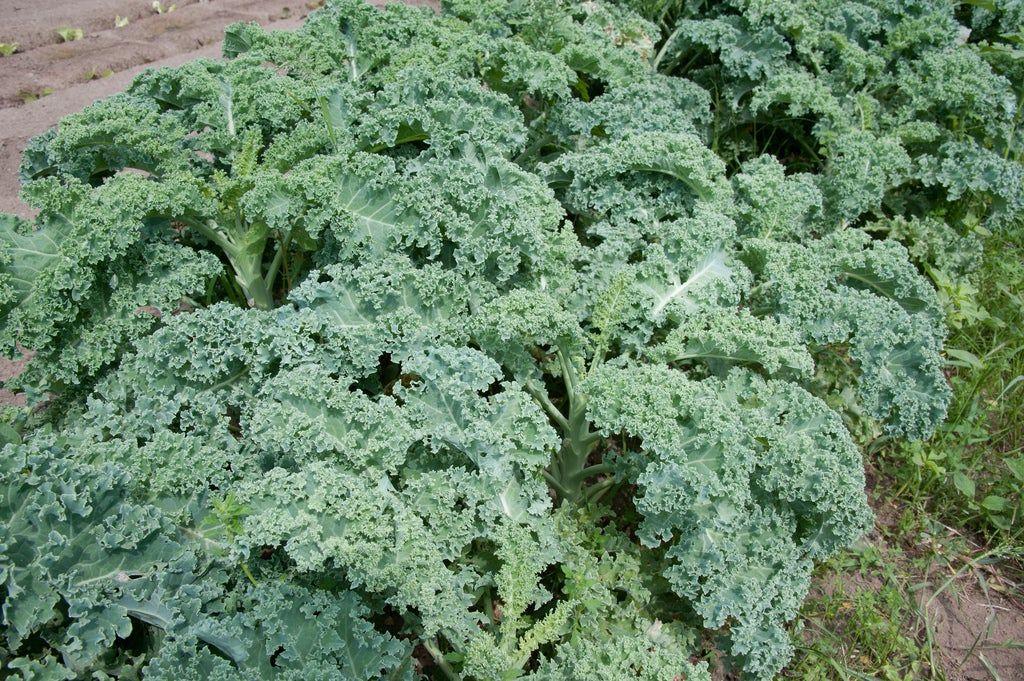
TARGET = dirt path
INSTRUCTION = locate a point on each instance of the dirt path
(47, 78)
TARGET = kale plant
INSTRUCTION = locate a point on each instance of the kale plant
(908, 112)
(445, 346)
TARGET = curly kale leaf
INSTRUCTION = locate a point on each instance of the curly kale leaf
(846, 289)
(285, 631)
(84, 570)
(747, 480)
(744, 51)
(81, 567)
(78, 285)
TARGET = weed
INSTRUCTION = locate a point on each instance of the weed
(32, 95)
(69, 34)
(95, 74)
(863, 623)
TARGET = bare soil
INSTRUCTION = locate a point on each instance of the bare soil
(977, 631)
(971, 611)
(9, 368)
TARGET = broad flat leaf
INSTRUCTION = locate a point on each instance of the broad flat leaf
(964, 484)
(994, 503)
(1016, 467)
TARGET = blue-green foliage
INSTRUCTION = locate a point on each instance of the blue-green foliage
(900, 107)
(467, 346)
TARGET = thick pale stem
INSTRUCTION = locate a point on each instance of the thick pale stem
(250, 278)
(279, 257)
(597, 469)
(568, 470)
(246, 260)
(596, 492)
(656, 62)
(577, 445)
(556, 416)
(556, 482)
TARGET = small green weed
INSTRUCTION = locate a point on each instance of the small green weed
(32, 95)
(863, 623)
(96, 74)
(70, 34)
